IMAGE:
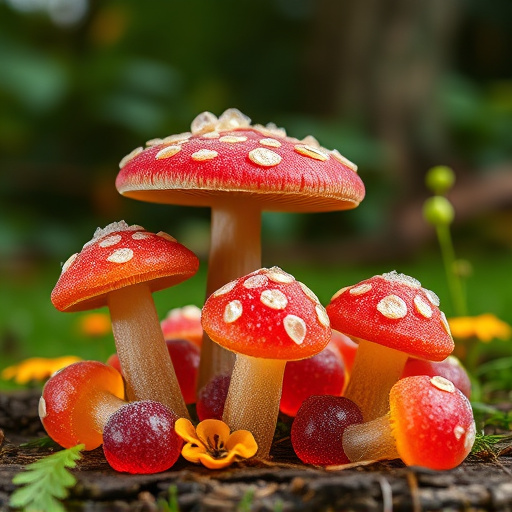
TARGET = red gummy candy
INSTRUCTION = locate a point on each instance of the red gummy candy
(140, 438)
(212, 397)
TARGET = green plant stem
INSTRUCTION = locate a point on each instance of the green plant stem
(454, 282)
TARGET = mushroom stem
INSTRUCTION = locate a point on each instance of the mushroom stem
(106, 405)
(140, 344)
(372, 440)
(376, 367)
(235, 250)
(253, 398)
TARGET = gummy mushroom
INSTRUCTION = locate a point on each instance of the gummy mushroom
(238, 170)
(266, 318)
(430, 423)
(120, 268)
(392, 317)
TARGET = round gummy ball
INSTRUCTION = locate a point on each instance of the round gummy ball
(317, 430)
(212, 397)
(139, 438)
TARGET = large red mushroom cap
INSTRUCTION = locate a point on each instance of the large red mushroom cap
(230, 157)
(267, 314)
(395, 311)
(120, 255)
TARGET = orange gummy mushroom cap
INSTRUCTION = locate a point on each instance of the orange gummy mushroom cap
(267, 314)
(432, 422)
(118, 256)
(229, 157)
(395, 311)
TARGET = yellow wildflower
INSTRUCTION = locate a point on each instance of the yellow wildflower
(213, 445)
(37, 368)
(484, 327)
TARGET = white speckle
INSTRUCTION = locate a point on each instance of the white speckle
(279, 276)
(211, 135)
(345, 161)
(110, 240)
(255, 281)
(233, 311)
(422, 307)
(204, 154)
(458, 432)
(339, 292)
(121, 256)
(361, 289)
(167, 152)
(274, 299)
(273, 143)
(191, 312)
(130, 156)
(295, 327)
(224, 289)
(204, 122)
(69, 262)
(311, 152)
(311, 141)
(232, 118)
(322, 316)
(232, 139)
(42, 408)
(113, 227)
(395, 277)
(392, 307)
(445, 323)
(443, 384)
(154, 142)
(309, 293)
(264, 157)
(178, 138)
(432, 297)
(470, 437)
(273, 129)
(166, 236)
(140, 235)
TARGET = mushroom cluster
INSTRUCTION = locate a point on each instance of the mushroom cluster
(263, 342)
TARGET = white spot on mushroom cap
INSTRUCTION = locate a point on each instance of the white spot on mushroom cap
(41, 409)
(111, 228)
(255, 281)
(191, 312)
(322, 315)
(166, 236)
(211, 135)
(392, 307)
(204, 122)
(264, 157)
(233, 311)
(140, 235)
(279, 276)
(233, 139)
(178, 138)
(167, 152)
(458, 432)
(404, 279)
(69, 262)
(311, 141)
(295, 327)
(130, 156)
(345, 161)
(274, 299)
(232, 118)
(154, 142)
(311, 152)
(340, 292)
(445, 323)
(360, 289)
(121, 256)
(269, 141)
(309, 293)
(422, 307)
(432, 297)
(204, 154)
(110, 240)
(470, 437)
(442, 384)
(224, 289)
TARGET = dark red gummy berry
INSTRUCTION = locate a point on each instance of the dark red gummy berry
(322, 374)
(317, 430)
(139, 438)
(212, 397)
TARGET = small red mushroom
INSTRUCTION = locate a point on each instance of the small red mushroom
(266, 318)
(430, 423)
(185, 323)
(392, 317)
(120, 268)
(239, 170)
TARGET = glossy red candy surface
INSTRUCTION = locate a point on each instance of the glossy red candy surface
(211, 398)
(140, 438)
(318, 428)
(322, 374)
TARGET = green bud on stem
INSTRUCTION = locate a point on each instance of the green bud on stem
(440, 179)
(437, 210)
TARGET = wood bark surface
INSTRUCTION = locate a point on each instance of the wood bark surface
(284, 484)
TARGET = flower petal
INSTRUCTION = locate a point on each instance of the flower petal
(209, 462)
(242, 443)
(187, 432)
(193, 452)
(208, 429)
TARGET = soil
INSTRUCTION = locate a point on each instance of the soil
(283, 484)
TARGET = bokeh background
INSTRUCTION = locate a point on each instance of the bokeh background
(397, 86)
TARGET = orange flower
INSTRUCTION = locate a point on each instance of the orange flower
(213, 445)
(95, 324)
(37, 368)
(484, 327)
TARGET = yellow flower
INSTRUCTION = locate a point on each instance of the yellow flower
(484, 327)
(212, 444)
(37, 368)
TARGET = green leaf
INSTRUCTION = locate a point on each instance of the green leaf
(45, 481)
